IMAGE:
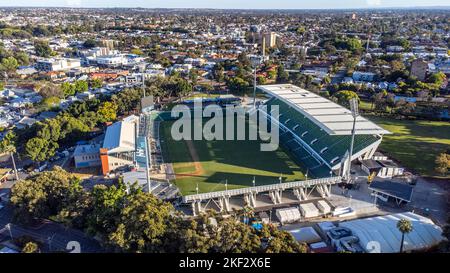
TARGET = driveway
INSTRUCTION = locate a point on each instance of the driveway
(429, 199)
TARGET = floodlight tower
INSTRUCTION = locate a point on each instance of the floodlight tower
(256, 61)
(355, 113)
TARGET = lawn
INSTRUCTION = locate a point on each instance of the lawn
(415, 143)
(220, 160)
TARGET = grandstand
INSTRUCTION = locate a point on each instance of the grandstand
(316, 131)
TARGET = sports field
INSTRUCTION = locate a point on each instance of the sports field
(415, 143)
(210, 163)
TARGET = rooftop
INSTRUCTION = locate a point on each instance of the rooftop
(329, 116)
(120, 137)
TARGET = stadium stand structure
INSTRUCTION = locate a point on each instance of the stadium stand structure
(316, 131)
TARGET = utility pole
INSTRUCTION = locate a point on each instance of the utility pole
(14, 166)
(355, 114)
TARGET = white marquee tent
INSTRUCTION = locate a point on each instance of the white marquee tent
(288, 215)
(380, 234)
(309, 210)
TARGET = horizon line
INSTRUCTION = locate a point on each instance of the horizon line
(243, 9)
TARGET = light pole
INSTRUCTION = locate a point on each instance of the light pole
(143, 83)
(256, 61)
(355, 114)
(196, 188)
(226, 184)
(14, 166)
(254, 181)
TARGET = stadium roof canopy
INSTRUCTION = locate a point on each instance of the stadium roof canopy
(382, 231)
(331, 117)
(120, 137)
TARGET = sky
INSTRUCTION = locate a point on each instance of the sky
(230, 4)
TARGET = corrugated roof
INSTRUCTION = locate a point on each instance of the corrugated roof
(330, 116)
(120, 137)
(382, 232)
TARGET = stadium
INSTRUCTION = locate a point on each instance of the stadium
(315, 135)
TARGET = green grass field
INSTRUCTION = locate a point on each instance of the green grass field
(415, 143)
(235, 161)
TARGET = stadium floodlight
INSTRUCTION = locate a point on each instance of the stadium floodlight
(355, 112)
(354, 107)
(256, 61)
(254, 181)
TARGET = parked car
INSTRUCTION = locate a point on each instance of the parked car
(55, 158)
(41, 168)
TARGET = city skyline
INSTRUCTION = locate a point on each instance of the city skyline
(230, 4)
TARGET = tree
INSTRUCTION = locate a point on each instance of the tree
(48, 90)
(81, 86)
(107, 111)
(280, 241)
(51, 102)
(42, 49)
(344, 97)
(218, 72)
(193, 76)
(42, 195)
(105, 205)
(235, 237)
(30, 247)
(442, 163)
(96, 83)
(237, 84)
(282, 74)
(68, 89)
(437, 79)
(8, 145)
(22, 58)
(39, 149)
(404, 226)
(9, 65)
(141, 223)
(137, 51)
(90, 43)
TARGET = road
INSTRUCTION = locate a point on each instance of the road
(54, 236)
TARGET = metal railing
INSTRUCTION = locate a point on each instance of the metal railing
(264, 188)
